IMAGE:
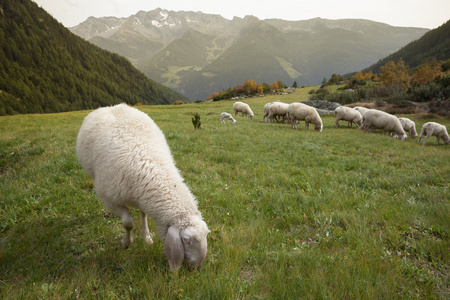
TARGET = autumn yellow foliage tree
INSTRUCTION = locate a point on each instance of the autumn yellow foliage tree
(275, 86)
(395, 74)
(250, 86)
(261, 88)
(426, 73)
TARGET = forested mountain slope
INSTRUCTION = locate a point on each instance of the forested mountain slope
(45, 68)
(435, 44)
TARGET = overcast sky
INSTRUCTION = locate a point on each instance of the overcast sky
(410, 13)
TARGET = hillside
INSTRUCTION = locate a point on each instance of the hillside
(44, 68)
(435, 44)
(197, 54)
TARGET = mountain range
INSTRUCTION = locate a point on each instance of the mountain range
(197, 54)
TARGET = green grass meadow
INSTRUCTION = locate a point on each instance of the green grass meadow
(293, 214)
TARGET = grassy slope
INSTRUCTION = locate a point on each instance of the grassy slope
(292, 213)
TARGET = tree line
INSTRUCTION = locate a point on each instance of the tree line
(249, 88)
(429, 81)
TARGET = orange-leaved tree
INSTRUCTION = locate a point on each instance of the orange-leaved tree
(250, 86)
(425, 73)
(275, 86)
(395, 74)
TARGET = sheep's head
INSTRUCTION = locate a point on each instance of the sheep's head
(188, 244)
(318, 127)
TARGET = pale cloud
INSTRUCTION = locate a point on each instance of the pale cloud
(414, 13)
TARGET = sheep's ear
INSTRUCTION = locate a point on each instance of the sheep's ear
(173, 248)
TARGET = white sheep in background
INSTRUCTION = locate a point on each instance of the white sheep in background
(278, 109)
(347, 114)
(409, 126)
(244, 108)
(361, 109)
(227, 116)
(377, 119)
(435, 129)
(128, 157)
(302, 112)
(266, 110)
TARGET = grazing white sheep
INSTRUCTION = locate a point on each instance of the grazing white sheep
(302, 112)
(377, 119)
(227, 116)
(361, 109)
(278, 109)
(409, 126)
(435, 129)
(244, 108)
(128, 157)
(347, 114)
(266, 110)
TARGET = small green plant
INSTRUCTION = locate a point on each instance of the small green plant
(196, 121)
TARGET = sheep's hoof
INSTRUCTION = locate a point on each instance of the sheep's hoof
(148, 239)
(126, 242)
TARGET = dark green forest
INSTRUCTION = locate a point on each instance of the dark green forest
(44, 68)
(433, 45)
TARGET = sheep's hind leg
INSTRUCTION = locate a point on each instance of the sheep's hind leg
(145, 232)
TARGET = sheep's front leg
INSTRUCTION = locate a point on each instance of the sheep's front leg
(127, 222)
(429, 133)
(145, 231)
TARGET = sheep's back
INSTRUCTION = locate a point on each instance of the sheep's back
(120, 147)
(300, 111)
(382, 120)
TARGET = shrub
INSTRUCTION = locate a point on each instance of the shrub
(196, 121)
(178, 102)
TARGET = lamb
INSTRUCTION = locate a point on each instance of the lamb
(278, 109)
(435, 129)
(347, 114)
(303, 112)
(227, 116)
(128, 157)
(378, 119)
(244, 108)
(410, 126)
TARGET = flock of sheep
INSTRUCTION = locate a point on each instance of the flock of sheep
(366, 119)
(129, 159)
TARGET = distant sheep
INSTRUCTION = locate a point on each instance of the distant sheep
(266, 110)
(409, 126)
(128, 157)
(435, 129)
(302, 112)
(377, 119)
(227, 116)
(278, 109)
(244, 108)
(347, 114)
(361, 109)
